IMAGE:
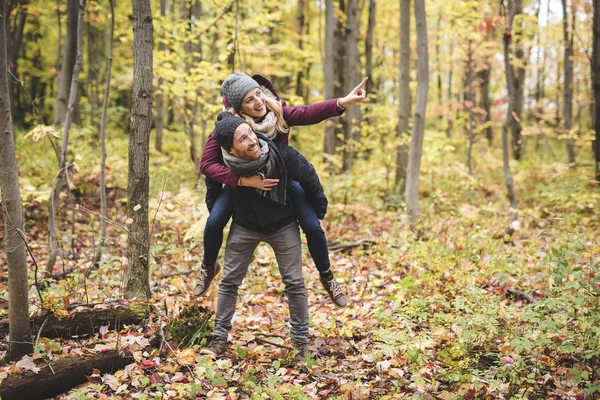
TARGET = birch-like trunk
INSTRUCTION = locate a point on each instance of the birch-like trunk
(404, 97)
(469, 104)
(510, 86)
(103, 206)
(568, 82)
(62, 167)
(136, 275)
(160, 107)
(328, 66)
(352, 77)
(596, 83)
(418, 128)
(18, 305)
(68, 64)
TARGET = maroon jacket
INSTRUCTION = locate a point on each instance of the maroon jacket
(211, 164)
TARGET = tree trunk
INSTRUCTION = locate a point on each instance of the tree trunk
(596, 84)
(519, 83)
(60, 375)
(66, 71)
(469, 104)
(510, 85)
(484, 78)
(369, 45)
(352, 77)
(449, 114)
(94, 57)
(136, 275)
(328, 66)
(18, 306)
(568, 82)
(103, 205)
(15, 40)
(339, 44)
(301, 24)
(62, 168)
(416, 143)
(404, 98)
(160, 107)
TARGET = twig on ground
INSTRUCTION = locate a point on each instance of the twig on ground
(520, 294)
(272, 343)
(361, 242)
(37, 339)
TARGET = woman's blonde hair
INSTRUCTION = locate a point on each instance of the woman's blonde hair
(275, 107)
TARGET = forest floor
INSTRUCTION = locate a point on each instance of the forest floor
(462, 312)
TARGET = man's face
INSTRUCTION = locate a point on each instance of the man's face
(245, 143)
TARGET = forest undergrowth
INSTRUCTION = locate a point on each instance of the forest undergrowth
(461, 312)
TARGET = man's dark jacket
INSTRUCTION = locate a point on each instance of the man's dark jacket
(258, 213)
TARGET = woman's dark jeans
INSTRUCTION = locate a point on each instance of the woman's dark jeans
(305, 213)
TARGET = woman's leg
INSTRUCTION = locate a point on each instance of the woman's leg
(215, 224)
(317, 243)
(310, 224)
(213, 239)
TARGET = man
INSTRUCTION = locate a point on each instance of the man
(263, 215)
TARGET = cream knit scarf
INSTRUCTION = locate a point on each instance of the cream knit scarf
(266, 126)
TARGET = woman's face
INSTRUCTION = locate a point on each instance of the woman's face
(245, 143)
(254, 104)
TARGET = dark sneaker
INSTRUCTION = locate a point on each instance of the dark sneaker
(300, 348)
(207, 274)
(216, 347)
(334, 290)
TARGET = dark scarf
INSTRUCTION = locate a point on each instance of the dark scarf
(269, 165)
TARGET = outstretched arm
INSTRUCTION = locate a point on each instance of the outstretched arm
(318, 112)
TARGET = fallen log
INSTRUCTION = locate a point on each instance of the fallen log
(86, 322)
(60, 375)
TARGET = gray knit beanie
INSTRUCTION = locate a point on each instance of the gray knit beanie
(225, 127)
(236, 86)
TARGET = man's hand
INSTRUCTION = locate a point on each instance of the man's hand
(256, 182)
(357, 95)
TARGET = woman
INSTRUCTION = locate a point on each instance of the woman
(256, 100)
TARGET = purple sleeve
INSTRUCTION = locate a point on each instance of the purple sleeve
(211, 166)
(311, 114)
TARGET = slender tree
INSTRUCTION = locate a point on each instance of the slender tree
(18, 311)
(369, 45)
(484, 87)
(329, 71)
(15, 35)
(518, 90)
(62, 168)
(596, 83)
(510, 86)
(301, 27)
(418, 129)
(103, 206)
(352, 75)
(568, 81)
(160, 107)
(68, 64)
(136, 275)
(404, 98)
(469, 104)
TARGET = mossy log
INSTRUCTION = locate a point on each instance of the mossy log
(60, 375)
(87, 322)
